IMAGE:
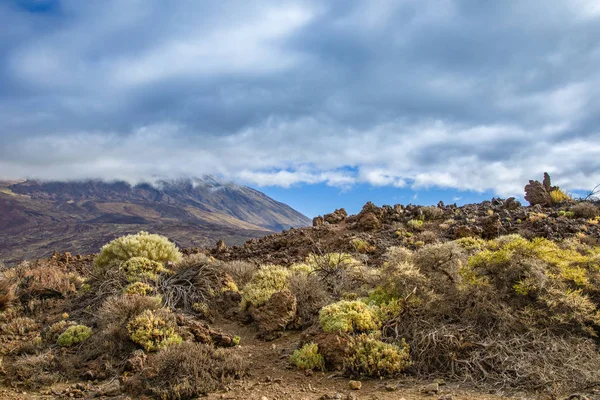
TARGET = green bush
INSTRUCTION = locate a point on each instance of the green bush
(153, 330)
(558, 196)
(372, 357)
(139, 288)
(267, 281)
(308, 357)
(73, 335)
(137, 268)
(415, 224)
(349, 316)
(143, 244)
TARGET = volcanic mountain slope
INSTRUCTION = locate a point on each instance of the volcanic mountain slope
(39, 217)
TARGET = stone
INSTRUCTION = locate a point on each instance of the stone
(334, 349)
(432, 388)
(336, 217)
(390, 388)
(355, 385)
(110, 389)
(511, 204)
(274, 316)
(368, 222)
(535, 194)
(221, 246)
(318, 221)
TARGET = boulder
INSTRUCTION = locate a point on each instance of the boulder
(318, 221)
(537, 192)
(275, 315)
(336, 217)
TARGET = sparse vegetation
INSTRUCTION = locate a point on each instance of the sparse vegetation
(437, 302)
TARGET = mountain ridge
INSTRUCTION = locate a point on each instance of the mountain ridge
(56, 215)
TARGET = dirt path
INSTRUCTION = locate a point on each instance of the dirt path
(272, 377)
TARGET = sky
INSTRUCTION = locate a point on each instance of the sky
(318, 104)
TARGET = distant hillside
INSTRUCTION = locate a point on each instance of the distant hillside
(39, 217)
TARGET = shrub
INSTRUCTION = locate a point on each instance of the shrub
(19, 326)
(73, 335)
(140, 288)
(143, 244)
(189, 370)
(153, 330)
(372, 357)
(310, 292)
(470, 243)
(431, 212)
(362, 246)
(566, 214)
(137, 268)
(7, 291)
(34, 371)
(441, 262)
(558, 196)
(536, 217)
(113, 317)
(415, 224)
(330, 263)
(308, 357)
(585, 210)
(53, 332)
(398, 254)
(240, 271)
(267, 281)
(349, 316)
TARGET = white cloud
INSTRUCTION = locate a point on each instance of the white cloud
(403, 94)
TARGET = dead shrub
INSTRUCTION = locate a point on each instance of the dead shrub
(585, 210)
(34, 283)
(193, 285)
(398, 255)
(427, 237)
(431, 212)
(189, 370)
(441, 262)
(34, 371)
(240, 271)
(311, 295)
(7, 292)
(189, 260)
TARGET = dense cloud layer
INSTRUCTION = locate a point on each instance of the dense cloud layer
(459, 94)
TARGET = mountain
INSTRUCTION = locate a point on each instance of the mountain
(37, 217)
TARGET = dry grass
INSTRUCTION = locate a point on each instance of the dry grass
(195, 284)
(189, 370)
(34, 371)
(311, 295)
(240, 271)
